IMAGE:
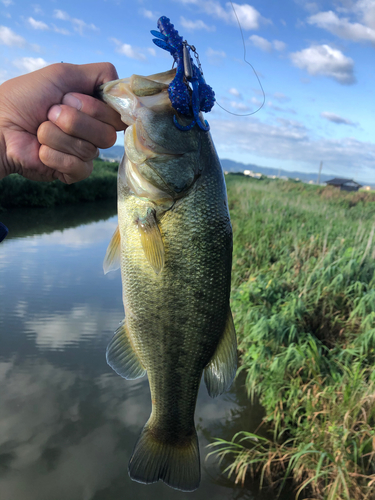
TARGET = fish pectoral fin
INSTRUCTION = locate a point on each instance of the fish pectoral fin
(221, 370)
(152, 242)
(122, 357)
(113, 253)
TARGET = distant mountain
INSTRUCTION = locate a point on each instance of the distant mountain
(116, 152)
(234, 166)
(113, 153)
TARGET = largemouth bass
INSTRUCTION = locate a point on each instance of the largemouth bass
(174, 247)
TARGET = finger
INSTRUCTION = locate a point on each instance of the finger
(80, 125)
(94, 108)
(83, 78)
(69, 168)
(52, 136)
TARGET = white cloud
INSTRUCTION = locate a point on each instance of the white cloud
(37, 25)
(151, 51)
(215, 53)
(215, 57)
(28, 64)
(309, 6)
(279, 96)
(256, 101)
(60, 14)
(271, 105)
(78, 24)
(58, 331)
(240, 106)
(265, 45)
(235, 92)
(342, 27)
(291, 141)
(10, 38)
(195, 25)
(61, 31)
(127, 50)
(366, 10)
(327, 61)
(249, 17)
(148, 14)
(332, 117)
(261, 43)
(37, 9)
(7, 2)
(278, 45)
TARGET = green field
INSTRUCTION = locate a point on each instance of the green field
(303, 299)
(16, 191)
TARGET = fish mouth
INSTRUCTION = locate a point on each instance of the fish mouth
(156, 150)
(128, 95)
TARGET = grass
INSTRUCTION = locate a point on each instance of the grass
(303, 299)
(16, 191)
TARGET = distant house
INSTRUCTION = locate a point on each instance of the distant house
(344, 184)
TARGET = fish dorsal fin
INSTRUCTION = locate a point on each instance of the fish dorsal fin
(122, 357)
(221, 370)
(151, 240)
(112, 256)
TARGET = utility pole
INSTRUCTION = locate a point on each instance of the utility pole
(320, 170)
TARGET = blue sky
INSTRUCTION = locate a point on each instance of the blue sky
(315, 61)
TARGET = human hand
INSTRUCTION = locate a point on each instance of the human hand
(51, 126)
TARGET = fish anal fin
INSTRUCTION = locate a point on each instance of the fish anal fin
(122, 357)
(221, 370)
(112, 259)
(177, 464)
(152, 242)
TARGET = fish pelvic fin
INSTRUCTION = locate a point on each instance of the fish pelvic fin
(177, 464)
(122, 357)
(113, 253)
(221, 370)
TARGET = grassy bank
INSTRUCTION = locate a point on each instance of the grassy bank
(16, 191)
(304, 306)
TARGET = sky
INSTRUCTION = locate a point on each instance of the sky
(315, 61)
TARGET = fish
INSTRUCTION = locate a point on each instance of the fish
(173, 244)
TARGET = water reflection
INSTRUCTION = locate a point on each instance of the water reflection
(68, 424)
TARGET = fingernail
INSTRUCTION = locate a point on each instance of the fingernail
(72, 101)
(54, 113)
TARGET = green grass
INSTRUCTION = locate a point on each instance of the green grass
(303, 299)
(16, 191)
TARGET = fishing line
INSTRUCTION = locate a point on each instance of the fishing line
(252, 67)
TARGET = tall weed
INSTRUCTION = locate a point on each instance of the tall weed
(304, 307)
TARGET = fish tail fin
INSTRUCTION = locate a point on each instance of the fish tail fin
(177, 464)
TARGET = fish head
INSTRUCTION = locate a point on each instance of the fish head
(162, 161)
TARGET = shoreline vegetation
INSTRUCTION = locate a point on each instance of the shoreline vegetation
(16, 191)
(303, 301)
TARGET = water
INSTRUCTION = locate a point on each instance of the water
(68, 423)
